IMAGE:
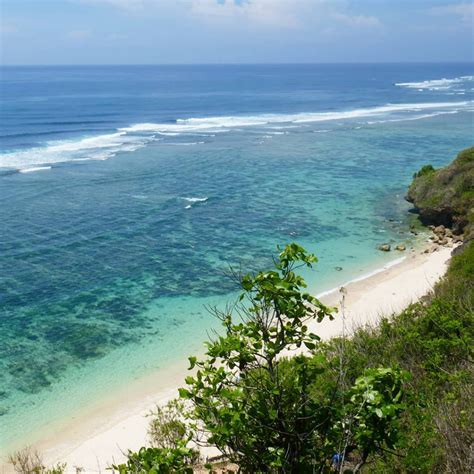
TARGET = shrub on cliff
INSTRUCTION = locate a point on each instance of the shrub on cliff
(426, 169)
(433, 341)
(446, 196)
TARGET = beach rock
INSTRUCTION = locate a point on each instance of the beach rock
(400, 247)
(338, 269)
(443, 241)
(457, 238)
(448, 233)
(440, 230)
(385, 247)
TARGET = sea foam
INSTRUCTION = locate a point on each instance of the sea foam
(102, 147)
(32, 170)
(228, 122)
(436, 84)
(195, 199)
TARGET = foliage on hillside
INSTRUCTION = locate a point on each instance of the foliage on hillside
(446, 196)
(432, 341)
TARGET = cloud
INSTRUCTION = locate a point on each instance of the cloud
(280, 13)
(465, 11)
(283, 14)
(271, 13)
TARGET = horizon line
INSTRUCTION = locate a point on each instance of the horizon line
(309, 63)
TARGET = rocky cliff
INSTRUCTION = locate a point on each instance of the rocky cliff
(446, 196)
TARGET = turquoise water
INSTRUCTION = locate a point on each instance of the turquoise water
(124, 202)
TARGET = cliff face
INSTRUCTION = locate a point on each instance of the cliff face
(446, 196)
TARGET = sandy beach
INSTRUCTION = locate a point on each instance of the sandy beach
(101, 434)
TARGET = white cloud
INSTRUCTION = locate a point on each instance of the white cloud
(278, 13)
(286, 14)
(465, 11)
(271, 13)
(281, 13)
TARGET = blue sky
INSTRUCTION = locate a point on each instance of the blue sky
(234, 31)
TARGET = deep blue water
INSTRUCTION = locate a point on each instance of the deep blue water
(127, 192)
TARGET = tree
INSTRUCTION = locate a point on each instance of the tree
(267, 412)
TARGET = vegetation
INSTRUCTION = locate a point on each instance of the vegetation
(426, 169)
(167, 428)
(29, 461)
(170, 452)
(432, 341)
(159, 461)
(267, 413)
(446, 196)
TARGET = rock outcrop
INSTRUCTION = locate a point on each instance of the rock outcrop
(445, 197)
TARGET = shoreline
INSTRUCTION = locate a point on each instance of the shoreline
(99, 435)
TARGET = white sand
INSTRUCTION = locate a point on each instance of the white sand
(103, 433)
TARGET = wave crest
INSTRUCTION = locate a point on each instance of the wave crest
(436, 84)
(131, 138)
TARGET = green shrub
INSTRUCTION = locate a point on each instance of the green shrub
(426, 169)
(432, 341)
(158, 461)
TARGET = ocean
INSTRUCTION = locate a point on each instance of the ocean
(130, 194)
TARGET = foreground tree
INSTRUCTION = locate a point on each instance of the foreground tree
(270, 413)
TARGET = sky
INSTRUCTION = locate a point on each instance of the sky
(234, 31)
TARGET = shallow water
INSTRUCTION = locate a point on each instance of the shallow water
(121, 216)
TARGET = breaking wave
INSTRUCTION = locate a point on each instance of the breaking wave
(436, 84)
(195, 199)
(100, 147)
(227, 122)
(131, 138)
